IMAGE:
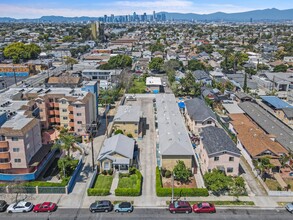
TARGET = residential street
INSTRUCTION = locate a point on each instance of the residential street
(231, 214)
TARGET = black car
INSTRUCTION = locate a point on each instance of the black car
(3, 206)
(101, 206)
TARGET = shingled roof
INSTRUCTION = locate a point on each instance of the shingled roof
(198, 110)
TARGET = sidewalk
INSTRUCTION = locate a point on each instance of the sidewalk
(114, 183)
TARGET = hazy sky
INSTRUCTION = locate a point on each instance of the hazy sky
(37, 8)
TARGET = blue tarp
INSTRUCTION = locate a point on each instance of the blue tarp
(155, 91)
(181, 104)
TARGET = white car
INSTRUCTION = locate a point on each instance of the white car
(21, 206)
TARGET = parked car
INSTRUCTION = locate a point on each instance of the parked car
(101, 206)
(123, 207)
(45, 207)
(289, 207)
(21, 206)
(204, 207)
(3, 205)
(180, 206)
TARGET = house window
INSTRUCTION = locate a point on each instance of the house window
(231, 158)
(65, 118)
(64, 110)
(63, 101)
(77, 106)
(216, 158)
(78, 114)
(65, 125)
(106, 165)
(209, 122)
(15, 149)
(79, 130)
(14, 138)
(135, 131)
(79, 122)
(17, 160)
(51, 100)
(230, 170)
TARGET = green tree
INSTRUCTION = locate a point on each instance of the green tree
(261, 66)
(263, 165)
(65, 141)
(157, 47)
(189, 86)
(195, 65)
(118, 62)
(156, 64)
(180, 172)
(217, 181)
(19, 50)
(281, 68)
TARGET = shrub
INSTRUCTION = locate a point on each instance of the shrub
(110, 172)
(97, 192)
(121, 175)
(104, 172)
(178, 192)
(163, 172)
(118, 132)
(168, 174)
(130, 135)
(132, 170)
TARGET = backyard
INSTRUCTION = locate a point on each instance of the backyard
(138, 86)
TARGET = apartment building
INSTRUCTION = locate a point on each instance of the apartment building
(72, 109)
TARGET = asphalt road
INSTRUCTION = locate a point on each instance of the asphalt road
(227, 214)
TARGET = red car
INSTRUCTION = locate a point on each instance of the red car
(45, 207)
(180, 206)
(204, 207)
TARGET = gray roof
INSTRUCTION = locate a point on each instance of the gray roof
(198, 110)
(288, 112)
(215, 140)
(173, 136)
(200, 74)
(242, 95)
(126, 113)
(269, 123)
(120, 144)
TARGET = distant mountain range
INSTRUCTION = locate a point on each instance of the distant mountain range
(256, 15)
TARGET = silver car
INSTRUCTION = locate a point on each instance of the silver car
(289, 207)
(21, 206)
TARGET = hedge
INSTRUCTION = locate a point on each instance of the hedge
(178, 192)
(98, 192)
(131, 191)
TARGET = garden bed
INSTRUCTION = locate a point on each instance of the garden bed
(273, 185)
(167, 183)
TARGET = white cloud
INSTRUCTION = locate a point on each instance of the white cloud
(118, 8)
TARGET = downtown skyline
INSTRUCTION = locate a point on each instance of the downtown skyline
(35, 9)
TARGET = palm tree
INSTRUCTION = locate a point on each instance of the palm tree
(263, 165)
(65, 142)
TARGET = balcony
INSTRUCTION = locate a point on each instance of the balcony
(51, 120)
(71, 124)
(71, 116)
(5, 166)
(57, 120)
(51, 112)
(5, 155)
(4, 144)
(56, 112)
(70, 108)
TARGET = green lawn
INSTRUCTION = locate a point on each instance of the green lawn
(138, 86)
(272, 184)
(103, 182)
(128, 182)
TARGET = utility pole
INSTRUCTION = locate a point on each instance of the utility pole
(172, 199)
(15, 81)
